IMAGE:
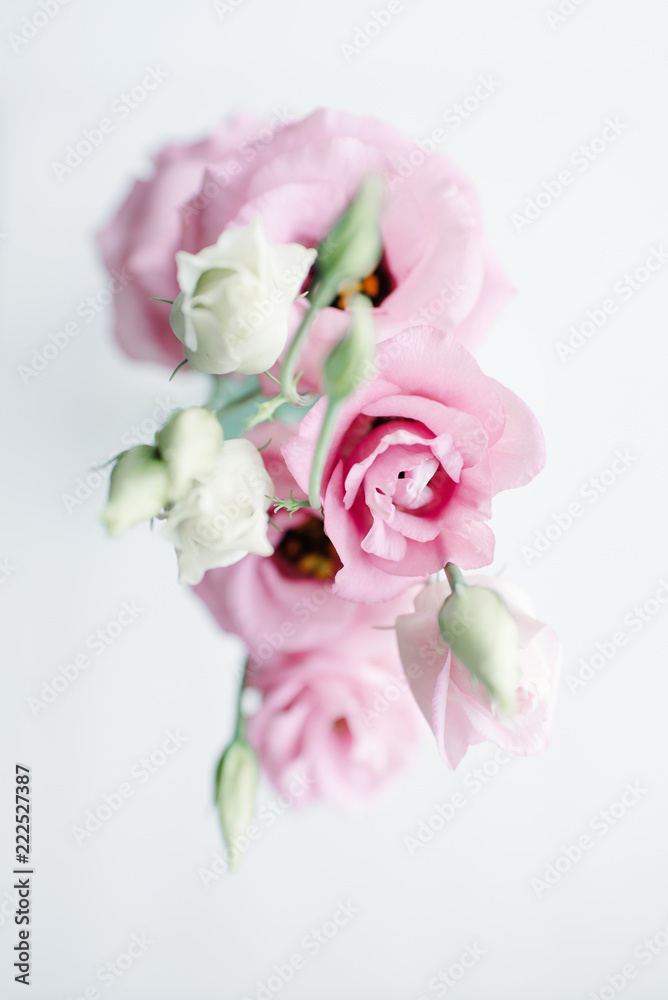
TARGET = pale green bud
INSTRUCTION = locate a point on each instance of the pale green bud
(138, 490)
(348, 362)
(353, 247)
(236, 788)
(483, 635)
(189, 444)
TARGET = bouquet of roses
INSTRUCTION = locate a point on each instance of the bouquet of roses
(332, 278)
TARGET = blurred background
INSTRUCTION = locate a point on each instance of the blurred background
(496, 904)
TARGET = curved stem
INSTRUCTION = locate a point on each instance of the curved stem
(322, 296)
(239, 729)
(320, 457)
(455, 577)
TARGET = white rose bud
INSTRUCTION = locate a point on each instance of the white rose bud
(232, 312)
(236, 788)
(224, 516)
(138, 490)
(483, 635)
(189, 444)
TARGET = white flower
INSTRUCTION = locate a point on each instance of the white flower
(138, 490)
(189, 444)
(232, 313)
(224, 516)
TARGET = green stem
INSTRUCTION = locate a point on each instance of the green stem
(239, 729)
(320, 457)
(239, 733)
(322, 296)
(455, 577)
(238, 403)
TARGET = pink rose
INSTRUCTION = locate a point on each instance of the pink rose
(143, 237)
(341, 715)
(437, 266)
(417, 455)
(284, 603)
(459, 711)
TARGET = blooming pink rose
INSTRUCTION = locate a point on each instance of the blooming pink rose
(437, 266)
(417, 455)
(341, 715)
(142, 239)
(284, 602)
(458, 710)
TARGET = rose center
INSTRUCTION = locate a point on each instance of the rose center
(376, 286)
(342, 732)
(306, 552)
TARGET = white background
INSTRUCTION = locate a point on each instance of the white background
(173, 670)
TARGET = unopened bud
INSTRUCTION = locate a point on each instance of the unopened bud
(348, 362)
(236, 788)
(483, 636)
(353, 247)
(189, 445)
(138, 490)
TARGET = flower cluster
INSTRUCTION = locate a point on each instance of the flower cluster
(326, 501)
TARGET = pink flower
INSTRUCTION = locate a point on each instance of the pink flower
(459, 711)
(285, 603)
(437, 266)
(417, 455)
(340, 715)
